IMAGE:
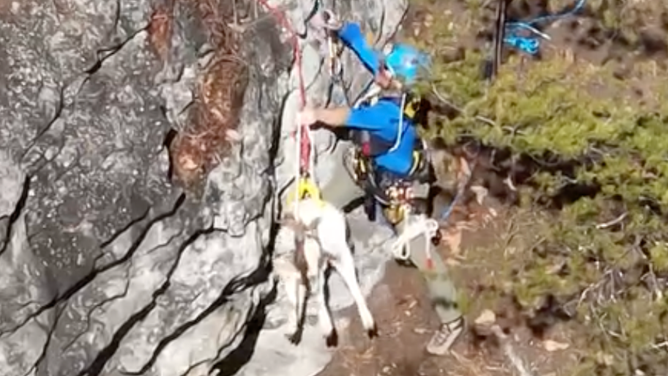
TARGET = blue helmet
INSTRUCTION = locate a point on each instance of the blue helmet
(405, 62)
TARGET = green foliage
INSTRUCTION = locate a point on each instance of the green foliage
(609, 277)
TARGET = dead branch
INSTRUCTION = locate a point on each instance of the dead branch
(458, 109)
(612, 222)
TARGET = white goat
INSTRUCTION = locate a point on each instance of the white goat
(311, 242)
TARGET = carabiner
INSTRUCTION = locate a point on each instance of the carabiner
(335, 66)
(305, 188)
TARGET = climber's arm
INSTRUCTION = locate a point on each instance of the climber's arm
(372, 118)
(351, 36)
(332, 117)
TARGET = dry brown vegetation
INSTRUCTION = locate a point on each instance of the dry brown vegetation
(199, 145)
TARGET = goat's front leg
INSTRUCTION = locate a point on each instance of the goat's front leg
(324, 316)
(293, 288)
(345, 265)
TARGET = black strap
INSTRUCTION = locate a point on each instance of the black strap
(412, 104)
(373, 146)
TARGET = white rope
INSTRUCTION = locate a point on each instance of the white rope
(415, 226)
(400, 128)
(312, 155)
(374, 91)
(311, 162)
(371, 92)
(298, 139)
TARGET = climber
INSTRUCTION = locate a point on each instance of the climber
(387, 147)
(382, 126)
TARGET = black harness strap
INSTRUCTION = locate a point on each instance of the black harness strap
(372, 146)
(377, 181)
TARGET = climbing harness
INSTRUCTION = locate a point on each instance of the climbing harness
(409, 105)
(426, 226)
(396, 200)
(530, 44)
(400, 197)
(383, 187)
(303, 145)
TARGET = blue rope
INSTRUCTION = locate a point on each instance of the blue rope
(531, 44)
(460, 192)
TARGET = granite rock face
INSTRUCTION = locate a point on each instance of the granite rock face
(273, 354)
(106, 267)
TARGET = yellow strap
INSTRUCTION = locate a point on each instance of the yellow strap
(370, 38)
(417, 160)
(306, 188)
(411, 107)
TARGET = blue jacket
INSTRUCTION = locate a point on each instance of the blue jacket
(382, 118)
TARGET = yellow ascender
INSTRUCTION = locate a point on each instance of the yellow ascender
(306, 188)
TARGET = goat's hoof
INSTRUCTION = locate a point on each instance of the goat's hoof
(332, 339)
(373, 331)
(295, 337)
(436, 240)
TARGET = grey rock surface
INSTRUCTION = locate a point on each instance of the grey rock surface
(106, 267)
(273, 354)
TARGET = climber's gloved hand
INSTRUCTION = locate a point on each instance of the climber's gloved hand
(384, 78)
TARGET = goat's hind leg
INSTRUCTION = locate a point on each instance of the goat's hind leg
(345, 265)
(324, 315)
(295, 294)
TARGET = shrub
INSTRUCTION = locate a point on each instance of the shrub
(603, 257)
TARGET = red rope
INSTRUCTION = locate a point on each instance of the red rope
(305, 143)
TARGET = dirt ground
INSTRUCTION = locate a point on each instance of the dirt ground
(406, 321)
(399, 303)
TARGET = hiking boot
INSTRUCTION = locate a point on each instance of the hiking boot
(443, 339)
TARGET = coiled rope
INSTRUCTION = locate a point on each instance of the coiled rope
(530, 44)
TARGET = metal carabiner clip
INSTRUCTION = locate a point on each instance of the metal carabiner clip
(336, 69)
(331, 22)
(335, 66)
